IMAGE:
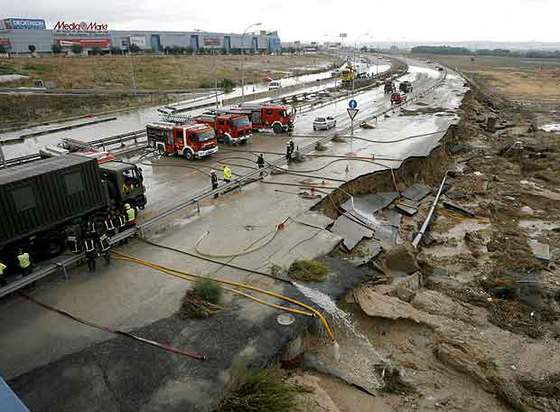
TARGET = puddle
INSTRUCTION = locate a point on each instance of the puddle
(553, 127)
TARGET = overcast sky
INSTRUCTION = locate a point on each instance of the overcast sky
(401, 20)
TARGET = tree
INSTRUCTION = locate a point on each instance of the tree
(116, 50)
(32, 48)
(96, 51)
(77, 49)
(3, 50)
(56, 49)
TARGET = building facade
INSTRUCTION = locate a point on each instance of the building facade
(17, 35)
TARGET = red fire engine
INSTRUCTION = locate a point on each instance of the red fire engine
(188, 140)
(279, 118)
(230, 128)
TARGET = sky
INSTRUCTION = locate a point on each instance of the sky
(320, 20)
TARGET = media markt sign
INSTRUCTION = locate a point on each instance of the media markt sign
(82, 27)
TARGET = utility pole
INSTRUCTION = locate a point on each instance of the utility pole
(243, 58)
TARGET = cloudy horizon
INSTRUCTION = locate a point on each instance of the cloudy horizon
(408, 21)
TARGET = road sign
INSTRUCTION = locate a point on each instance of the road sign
(352, 104)
(352, 112)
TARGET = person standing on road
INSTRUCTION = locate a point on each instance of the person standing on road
(130, 215)
(227, 174)
(91, 253)
(3, 268)
(292, 146)
(288, 152)
(104, 247)
(214, 181)
(24, 262)
(260, 164)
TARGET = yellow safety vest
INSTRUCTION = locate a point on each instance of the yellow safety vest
(2, 268)
(130, 214)
(227, 173)
(24, 261)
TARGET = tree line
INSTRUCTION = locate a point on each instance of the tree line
(463, 51)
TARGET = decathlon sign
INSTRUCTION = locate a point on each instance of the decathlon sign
(82, 27)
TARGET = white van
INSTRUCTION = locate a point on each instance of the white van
(275, 84)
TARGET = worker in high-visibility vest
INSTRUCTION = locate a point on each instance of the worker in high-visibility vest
(227, 174)
(130, 214)
(24, 262)
(3, 268)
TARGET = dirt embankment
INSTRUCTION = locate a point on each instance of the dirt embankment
(481, 329)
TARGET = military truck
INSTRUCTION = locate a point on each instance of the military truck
(39, 201)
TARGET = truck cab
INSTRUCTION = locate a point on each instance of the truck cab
(191, 140)
(124, 183)
(229, 128)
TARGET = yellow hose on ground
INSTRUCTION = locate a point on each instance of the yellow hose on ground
(185, 275)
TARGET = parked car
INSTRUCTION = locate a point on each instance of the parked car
(324, 123)
(275, 84)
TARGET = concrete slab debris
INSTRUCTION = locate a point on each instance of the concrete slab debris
(455, 208)
(370, 204)
(417, 192)
(347, 227)
(540, 250)
(406, 207)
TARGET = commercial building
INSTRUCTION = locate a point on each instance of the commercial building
(17, 35)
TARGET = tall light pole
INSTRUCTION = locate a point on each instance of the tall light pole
(242, 58)
(354, 59)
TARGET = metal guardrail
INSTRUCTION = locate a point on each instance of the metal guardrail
(237, 183)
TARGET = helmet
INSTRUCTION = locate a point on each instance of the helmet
(212, 172)
(126, 206)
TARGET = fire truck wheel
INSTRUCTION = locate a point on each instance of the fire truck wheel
(188, 154)
(277, 128)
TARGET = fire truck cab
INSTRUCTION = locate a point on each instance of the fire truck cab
(279, 118)
(192, 141)
(229, 128)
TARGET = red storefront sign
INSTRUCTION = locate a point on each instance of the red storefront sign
(5, 42)
(86, 43)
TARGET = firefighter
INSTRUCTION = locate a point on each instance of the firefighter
(24, 262)
(91, 253)
(110, 228)
(130, 215)
(214, 180)
(3, 268)
(105, 247)
(227, 174)
(260, 163)
(74, 237)
(292, 146)
(288, 152)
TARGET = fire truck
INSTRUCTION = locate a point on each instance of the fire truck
(229, 128)
(192, 140)
(279, 118)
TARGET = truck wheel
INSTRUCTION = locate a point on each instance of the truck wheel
(277, 128)
(54, 247)
(187, 154)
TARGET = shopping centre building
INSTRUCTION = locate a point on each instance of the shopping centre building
(17, 34)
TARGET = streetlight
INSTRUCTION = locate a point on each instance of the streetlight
(355, 47)
(242, 54)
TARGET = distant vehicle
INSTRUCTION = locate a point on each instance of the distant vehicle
(275, 84)
(279, 118)
(336, 72)
(192, 141)
(46, 199)
(389, 87)
(406, 87)
(324, 123)
(439, 68)
(398, 98)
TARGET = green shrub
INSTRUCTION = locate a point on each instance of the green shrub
(308, 271)
(265, 390)
(209, 291)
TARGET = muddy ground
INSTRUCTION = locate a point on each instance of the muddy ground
(474, 322)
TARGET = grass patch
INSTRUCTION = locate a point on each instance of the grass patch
(308, 271)
(266, 390)
(202, 300)
(6, 69)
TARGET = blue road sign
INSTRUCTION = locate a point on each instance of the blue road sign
(352, 104)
